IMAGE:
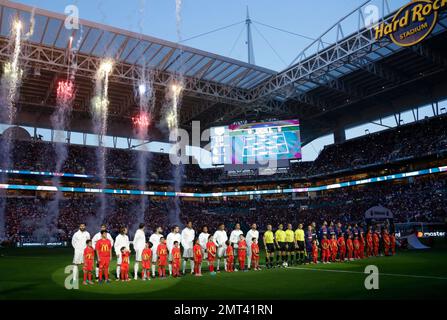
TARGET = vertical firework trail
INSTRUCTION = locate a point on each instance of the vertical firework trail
(146, 98)
(99, 109)
(47, 229)
(173, 101)
(10, 83)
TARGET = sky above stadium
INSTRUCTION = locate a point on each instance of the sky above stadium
(273, 49)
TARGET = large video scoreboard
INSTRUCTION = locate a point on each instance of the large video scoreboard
(256, 143)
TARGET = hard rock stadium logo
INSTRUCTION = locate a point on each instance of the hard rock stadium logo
(412, 23)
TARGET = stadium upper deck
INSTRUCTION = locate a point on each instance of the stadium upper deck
(338, 84)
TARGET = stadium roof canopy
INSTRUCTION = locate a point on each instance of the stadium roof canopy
(332, 84)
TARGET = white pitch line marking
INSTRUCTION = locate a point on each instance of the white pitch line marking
(380, 273)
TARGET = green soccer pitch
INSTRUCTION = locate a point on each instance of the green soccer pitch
(39, 274)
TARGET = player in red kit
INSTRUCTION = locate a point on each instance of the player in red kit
(325, 249)
(350, 247)
(211, 250)
(341, 247)
(229, 253)
(376, 242)
(89, 261)
(314, 251)
(146, 261)
(197, 254)
(369, 243)
(125, 261)
(162, 254)
(103, 249)
(242, 252)
(334, 248)
(176, 259)
(386, 242)
(255, 254)
(393, 243)
(356, 244)
(362, 245)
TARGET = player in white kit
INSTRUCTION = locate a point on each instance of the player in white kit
(220, 238)
(234, 237)
(139, 243)
(155, 240)
(203, 239)
(188, 236)
(122, 240)
(79, 242)
(95, 239)
(170, 239)
(252, 233)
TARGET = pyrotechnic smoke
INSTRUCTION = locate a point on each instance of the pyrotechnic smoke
(178, 18)
(99, 109)
(10, 82)
(146, 101)
(171, 111)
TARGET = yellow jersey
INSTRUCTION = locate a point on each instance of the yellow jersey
(268, 237)
(299, 235)
(290, 235)
(280, 236)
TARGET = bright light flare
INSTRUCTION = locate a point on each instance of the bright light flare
(142, 89)
(65, 91)
(106, 66)
(176, 89)
(141, 120)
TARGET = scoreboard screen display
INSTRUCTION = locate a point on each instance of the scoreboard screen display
(256, 142)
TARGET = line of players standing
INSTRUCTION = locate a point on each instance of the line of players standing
(164, 252)
(332, 243)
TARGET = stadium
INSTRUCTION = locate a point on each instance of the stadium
(126, 158)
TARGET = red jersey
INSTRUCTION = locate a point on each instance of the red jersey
(211, 249)
(334, 245)
(386, 239)
(229, 253)
(104, 248)
(341, 243)
(162, 251)
(350, 245)
(356, 244)
(325, 244)
(89, 255)
(197, 251)
(314, 250)
(125, 258)
(146, 255)
(369, 239)
(241, 248)
(176, 255)
(254, 250)
(376, 239)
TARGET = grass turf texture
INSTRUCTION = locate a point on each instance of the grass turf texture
(39, 274)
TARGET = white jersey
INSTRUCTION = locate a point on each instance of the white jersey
(171, 238)
(234, 237)
(122, 240)
(188, 236)
(139, 240)
(220, 237)
(203, 239)
(79, 240)
(250, 235)
(97, 237)
(155, 240)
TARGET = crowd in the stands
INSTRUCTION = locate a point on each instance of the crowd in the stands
(419, 200)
